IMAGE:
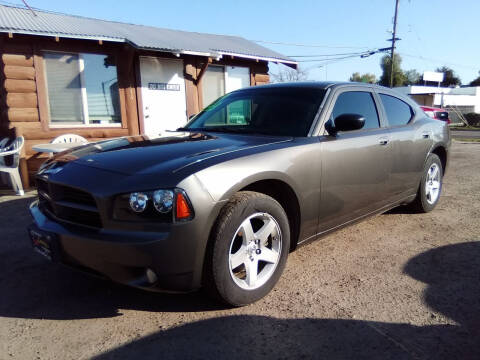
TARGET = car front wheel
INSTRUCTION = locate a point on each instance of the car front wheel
(249, 248)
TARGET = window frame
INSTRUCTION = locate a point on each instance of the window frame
(384, 111)
(333, 100)
(225, 78)
(83, 90)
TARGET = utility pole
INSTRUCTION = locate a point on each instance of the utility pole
(392, 51)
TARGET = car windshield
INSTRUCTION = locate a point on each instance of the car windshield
(270, 111)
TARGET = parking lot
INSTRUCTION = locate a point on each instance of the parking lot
(399, 285)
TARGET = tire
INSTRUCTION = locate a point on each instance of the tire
(243, 263)
(427, 198)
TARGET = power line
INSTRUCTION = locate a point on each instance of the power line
(28, 7)
(330, 59)
(305, 56)
(310, 45)
(348, 56)
(437, 61)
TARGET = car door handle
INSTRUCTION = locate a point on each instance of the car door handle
(426, 135)
(383, 141)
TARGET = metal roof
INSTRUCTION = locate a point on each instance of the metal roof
(24, 21)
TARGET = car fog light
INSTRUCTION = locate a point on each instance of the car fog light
(151, 276)
(138, 202)
(163, 200)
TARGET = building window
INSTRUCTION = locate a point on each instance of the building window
(219, 80)
(82, 89)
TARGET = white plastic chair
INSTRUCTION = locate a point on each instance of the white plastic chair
(3, 142)
(69, 138)
(13, 149)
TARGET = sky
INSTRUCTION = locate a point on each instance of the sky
(433, 33)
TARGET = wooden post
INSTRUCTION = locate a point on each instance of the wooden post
(198, 82)
(42, 96)
(24, 173)
(190, 74)
(126, 81)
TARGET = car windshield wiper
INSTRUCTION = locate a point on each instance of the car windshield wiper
(228, 129)
(237, 130)
(192, 129)
(243, 130)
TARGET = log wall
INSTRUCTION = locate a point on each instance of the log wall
(23, 93)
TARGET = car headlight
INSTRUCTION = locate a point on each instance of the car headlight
(138, 201)
(162, 205)
(163, 200)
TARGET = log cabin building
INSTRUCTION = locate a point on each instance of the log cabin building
(100, 79)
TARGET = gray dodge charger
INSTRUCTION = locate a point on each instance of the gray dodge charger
(220, 203)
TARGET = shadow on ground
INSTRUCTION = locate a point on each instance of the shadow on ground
(403, 209)
(452, 274)
(32, 288)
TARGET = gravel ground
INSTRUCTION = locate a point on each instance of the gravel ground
(398, 285)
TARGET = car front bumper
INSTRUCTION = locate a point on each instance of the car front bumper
(175, 255)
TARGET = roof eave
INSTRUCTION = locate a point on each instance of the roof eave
(290, 63)
(216, 54)
(68, 36)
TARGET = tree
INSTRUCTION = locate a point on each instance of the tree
(412, 77)
(398, 75)
(450, 78)
(289, 75)
(365, 78)
(476, 82)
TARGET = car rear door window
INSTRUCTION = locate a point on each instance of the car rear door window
(357, 102)
(398, 111)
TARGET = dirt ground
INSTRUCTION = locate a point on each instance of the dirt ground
(399, 285)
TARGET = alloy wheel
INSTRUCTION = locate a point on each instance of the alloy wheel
(255, 251)
(432, 184)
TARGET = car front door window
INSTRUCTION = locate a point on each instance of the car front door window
(357, 102)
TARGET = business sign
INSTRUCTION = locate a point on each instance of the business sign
(164, 86)
(433, 76)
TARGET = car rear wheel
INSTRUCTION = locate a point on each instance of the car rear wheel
(248, 250)
(430, 186)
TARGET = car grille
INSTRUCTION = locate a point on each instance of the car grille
(67, 204)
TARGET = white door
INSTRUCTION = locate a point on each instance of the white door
(163, 94)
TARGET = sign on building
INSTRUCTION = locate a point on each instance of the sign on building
(433, 76)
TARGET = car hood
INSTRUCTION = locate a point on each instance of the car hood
(167, 153)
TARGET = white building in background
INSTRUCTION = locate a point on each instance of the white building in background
(462, 99)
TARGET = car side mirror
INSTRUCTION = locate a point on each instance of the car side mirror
(345, 122)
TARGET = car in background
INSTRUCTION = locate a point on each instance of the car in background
(437, 113)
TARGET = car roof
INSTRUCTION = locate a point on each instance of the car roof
(322, 85)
